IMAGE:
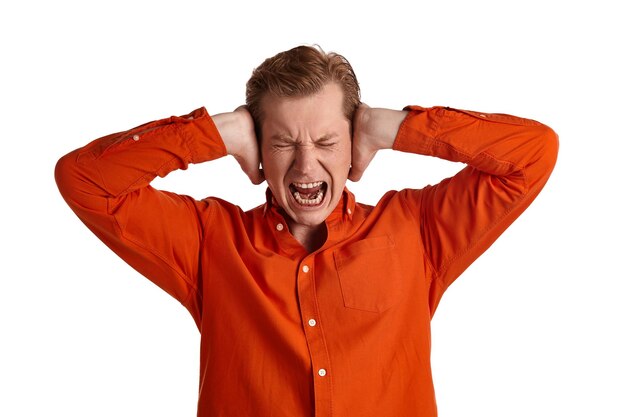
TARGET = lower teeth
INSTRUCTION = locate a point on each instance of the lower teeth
(309, 201)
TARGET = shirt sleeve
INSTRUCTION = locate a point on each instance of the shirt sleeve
(509, 160)
(107, 184)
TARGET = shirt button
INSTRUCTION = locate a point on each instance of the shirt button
(482, 115)
(349, 211)
(280, 227)
(322, 372)
(135, 137)
(305, 268)
(312, 322)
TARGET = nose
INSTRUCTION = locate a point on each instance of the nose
(304, 160)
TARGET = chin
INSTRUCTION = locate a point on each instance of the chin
(310, 220)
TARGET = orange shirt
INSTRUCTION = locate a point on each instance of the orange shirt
(342, 331)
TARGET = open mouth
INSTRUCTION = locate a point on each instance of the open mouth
(308, 193)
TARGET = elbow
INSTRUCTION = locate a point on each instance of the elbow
(551, 146)
(63, 174)
(79, 182)
(542, 160)
(71, 179)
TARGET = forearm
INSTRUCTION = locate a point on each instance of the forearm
(373, 129)
(106, 183)
(237, 131)
(122, 162)
(495, 144)
(509, 161)
(382, 126)
(231, 128)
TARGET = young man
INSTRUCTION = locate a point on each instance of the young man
(310, 304)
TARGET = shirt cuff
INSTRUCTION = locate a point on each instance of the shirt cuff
(205, 141)
(418, 130)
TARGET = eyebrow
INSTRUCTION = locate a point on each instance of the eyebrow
(286, 138)
(282, 137)
(327, 137)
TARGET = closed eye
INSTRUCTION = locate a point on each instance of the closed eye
(283, 145)
(327, 141)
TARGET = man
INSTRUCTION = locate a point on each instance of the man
(310, 304)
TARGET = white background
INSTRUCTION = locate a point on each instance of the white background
(536, 327)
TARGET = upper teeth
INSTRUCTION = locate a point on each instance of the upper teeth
(308, 185)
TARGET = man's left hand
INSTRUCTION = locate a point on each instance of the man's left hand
(372, 129)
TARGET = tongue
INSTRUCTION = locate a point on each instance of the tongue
(308, 192)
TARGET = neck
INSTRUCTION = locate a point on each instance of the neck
(310, 237)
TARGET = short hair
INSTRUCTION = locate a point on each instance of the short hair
(299, 72)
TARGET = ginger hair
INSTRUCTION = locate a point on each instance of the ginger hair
(299, 72)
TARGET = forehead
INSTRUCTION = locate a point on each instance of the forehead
(313, 113)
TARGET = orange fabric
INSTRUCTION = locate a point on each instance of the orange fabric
(343, 331)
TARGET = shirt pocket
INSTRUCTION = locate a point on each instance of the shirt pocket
(369, 274)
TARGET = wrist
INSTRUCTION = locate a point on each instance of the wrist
(231, 127)
(383, 126)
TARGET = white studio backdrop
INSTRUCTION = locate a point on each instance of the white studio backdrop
(535, 327)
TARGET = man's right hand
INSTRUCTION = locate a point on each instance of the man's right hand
(237, 131)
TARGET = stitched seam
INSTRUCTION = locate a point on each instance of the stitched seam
(490, 226)
(330, 375)
(417, 221)
(155, 253)
(152, 252)
(418, 227)
(205, 232)
(483, 232)
(438, 142)
(125, 237)
(186, 157)
(438, 273)
(194, 291)
(494, 223)
(405, 123)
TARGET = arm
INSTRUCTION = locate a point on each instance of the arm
(509, 160)
(374, 129)
(107, 184)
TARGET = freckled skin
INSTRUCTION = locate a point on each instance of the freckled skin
(306, 139)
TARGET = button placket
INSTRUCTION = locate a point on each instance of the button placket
(314, 336)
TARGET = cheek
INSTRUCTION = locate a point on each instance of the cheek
(344, 159)
(274, 169)
(340, 170)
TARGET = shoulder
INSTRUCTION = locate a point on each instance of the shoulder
(398, 205)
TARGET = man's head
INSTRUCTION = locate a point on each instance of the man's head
(302, 102)
(300, 72)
